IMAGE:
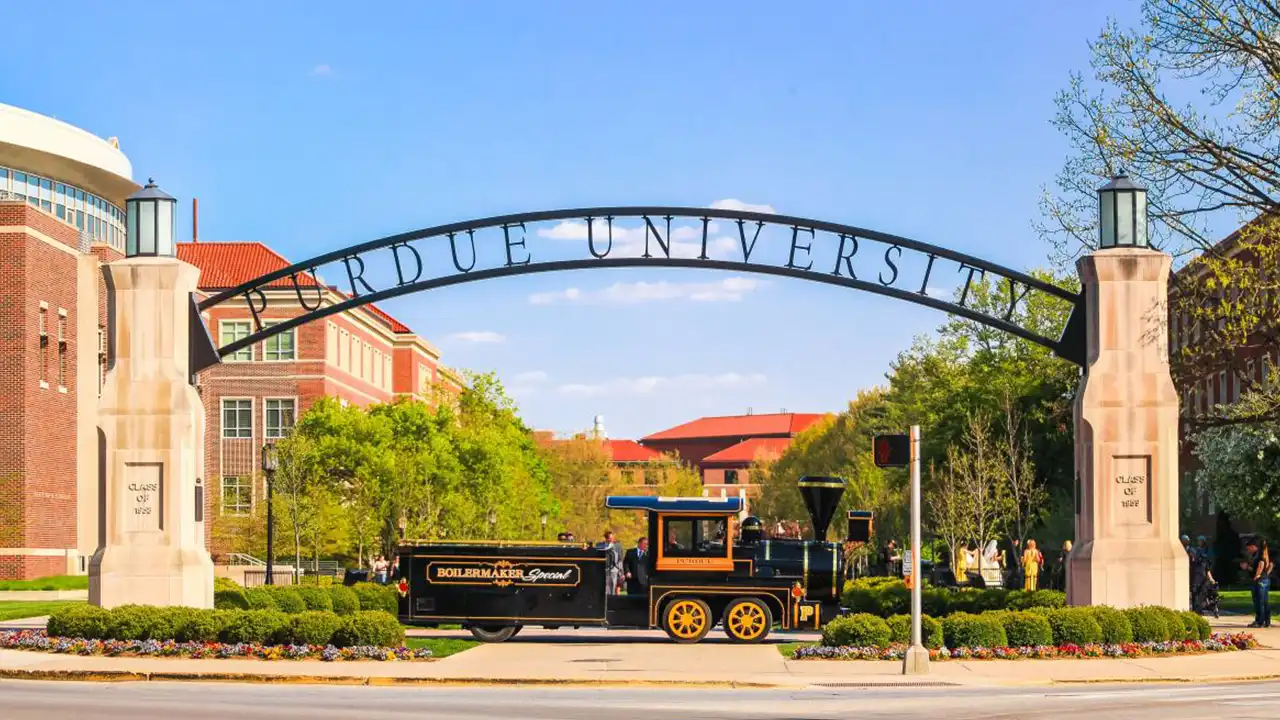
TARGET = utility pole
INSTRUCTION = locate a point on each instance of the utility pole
(916, 661)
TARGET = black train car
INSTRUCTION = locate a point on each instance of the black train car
(702, 572)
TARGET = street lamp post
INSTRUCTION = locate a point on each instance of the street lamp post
(1122, 214)
(270, 461)
(493, 524)
(152, 223)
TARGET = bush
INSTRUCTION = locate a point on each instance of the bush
(377, 597)
(373, 627)
(1116, 628)
(315, 598)
(221, 583)
(230, 598)
(893, 599)
(1074, 626)
(1047, 598)
(253, 626)
(1024, 629)
(1148, 625)
(965, 630)
(900, 630)
(287, 599)
(859, 630)
(259, 598)
(963, 601)
(993, 599)
(80, 621)
(344, 599)
(312, 628)
(1173, 621)
(201, 625)
(1197, 627)
(935, 602)
(131, 622)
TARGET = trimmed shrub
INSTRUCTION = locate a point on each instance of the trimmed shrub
(80, 621)
(900, 631)
(315, 598)
(1116, 628)
(892, 600)
(859, 599)
(201, 625)
(1024, 629)
(1047, 598)
(131, 622)
(373, 627)
(935, 602)
(230, 599)
(259, 598)
(311, 628)
(253, 626)
(963, 601)
(344, 599)
(377, 597)
(1197, 627)
(966, 630)
(993, 599)
(221, 583)
(1042, 611)
(287, 599)
(1173, 621)
(1074, 626)
(1148, 625)
(858, 630)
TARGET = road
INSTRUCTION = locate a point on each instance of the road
(45, 700)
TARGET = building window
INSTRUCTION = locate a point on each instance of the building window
(280, 417)
(282, 346)
(331, 346)
(730, 477)
(44, 346)
(62, 348)
(237, 495)
(628, 476)
(231, 331)
(344, 348)
(237, 418)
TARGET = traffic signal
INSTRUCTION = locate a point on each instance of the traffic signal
(891, 450)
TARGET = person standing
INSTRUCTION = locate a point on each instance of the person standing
(636, 568)
(380, 570)
(1258, 567)
(612, 564)
(1031, 561)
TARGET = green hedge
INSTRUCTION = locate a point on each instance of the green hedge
(221, 583)
(315, 598)
(378, 597)
(1148, 625)
(287, 599)
(230, 599)
(1074, 626)
(886, 597)
(1197, 627)
(140, 622)
(345, 601)
(967, 630)
(1115, 625)
(858, 630)
(1024, 629)
(930, 630)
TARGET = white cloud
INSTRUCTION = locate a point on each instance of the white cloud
(730, 289)
(529, 378)
(651, 384)
(322, 70)
(478, 336)
(736, 204)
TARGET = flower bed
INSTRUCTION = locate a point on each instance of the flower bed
(39, 640)
(1217, 643)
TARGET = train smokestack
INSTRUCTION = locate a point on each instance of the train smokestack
(821, 497)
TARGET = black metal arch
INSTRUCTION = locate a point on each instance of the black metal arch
(1068, 346)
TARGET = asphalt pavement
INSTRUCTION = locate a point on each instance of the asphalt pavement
(32, 700)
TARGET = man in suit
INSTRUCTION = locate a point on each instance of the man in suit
(612, 563)
(636, 566)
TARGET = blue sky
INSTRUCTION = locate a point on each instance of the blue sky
(312, 126)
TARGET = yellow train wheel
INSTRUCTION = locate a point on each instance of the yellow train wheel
(686, 620)
(747, 620)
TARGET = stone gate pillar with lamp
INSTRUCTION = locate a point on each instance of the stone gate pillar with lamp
(1126, 420)
(151, 424)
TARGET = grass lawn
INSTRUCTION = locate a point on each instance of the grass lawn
(14, 609)
(1239, 601)
(788, 650)
(53, 582)
(441, 647)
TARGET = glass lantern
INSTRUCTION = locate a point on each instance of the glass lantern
(152, 223)
(1122, 214)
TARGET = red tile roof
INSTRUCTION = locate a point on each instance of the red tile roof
(228, 264)
(627, 451)
(747, 451)
(775, 424)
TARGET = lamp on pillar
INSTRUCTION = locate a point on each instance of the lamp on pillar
(402, 524)
(152, 223)
(270, 462)
(1122, 214)
(493, 524)
(544, 526)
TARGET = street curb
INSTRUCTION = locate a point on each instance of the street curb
(1172, 680)
(378, 681)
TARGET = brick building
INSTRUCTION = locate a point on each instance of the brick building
(361, 356)
(62, 194)
(62, 200)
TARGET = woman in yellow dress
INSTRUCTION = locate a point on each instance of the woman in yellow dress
(1031, 560)
(960, 563)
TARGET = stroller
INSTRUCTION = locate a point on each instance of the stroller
(1204, 592)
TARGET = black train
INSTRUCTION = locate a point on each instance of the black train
(816, 564)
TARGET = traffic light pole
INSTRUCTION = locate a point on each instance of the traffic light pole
(916, 661)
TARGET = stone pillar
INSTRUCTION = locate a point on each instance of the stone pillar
(1126, 423)
(152, 432)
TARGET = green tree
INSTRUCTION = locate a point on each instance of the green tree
(1240, 465)
(1188, 105)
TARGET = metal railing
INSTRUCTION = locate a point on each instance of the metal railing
(258, 578)
(242, 559)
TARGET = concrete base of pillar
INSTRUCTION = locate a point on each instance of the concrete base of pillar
(159, 576)
(916, 661)
(1129, 573)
